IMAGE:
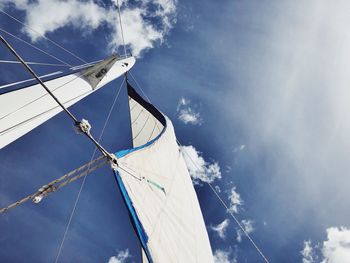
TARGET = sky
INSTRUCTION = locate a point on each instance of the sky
(258, 95)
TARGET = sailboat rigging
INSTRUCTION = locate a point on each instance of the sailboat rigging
(152, 177)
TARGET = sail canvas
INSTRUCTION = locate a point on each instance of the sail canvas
(158, 190)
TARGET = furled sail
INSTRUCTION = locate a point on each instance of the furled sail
(24, 108)
(158, 191)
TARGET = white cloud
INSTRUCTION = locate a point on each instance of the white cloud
(222, 256)
(235, 200)
(122, 256)
(199, 169)
(220, 229)
(186, 113)
(308, 252)
(189, 116)
(140, 34)
(248, 228)
(336, 249)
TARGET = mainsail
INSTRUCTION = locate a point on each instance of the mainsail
(24, 108)
(158, 191)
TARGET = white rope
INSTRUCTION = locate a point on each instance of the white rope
(216, 193)
(84, 179)
(121, 27)
(33, 63)
(35, 47)
(43, 36)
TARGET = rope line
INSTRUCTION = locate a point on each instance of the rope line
(78, 124)
(229, 211)
(33, 46)
(139, 86)
(84, 179)
(121, 27)
(43, 36)
(69, 176)
(33, 63)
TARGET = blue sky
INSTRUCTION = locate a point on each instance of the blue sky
(259, 88)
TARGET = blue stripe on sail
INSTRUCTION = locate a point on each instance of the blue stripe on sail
(135, 220)
(122, 153)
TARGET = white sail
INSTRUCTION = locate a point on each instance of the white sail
(158, 190)
(23, 109)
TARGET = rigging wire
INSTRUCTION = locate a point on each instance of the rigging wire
(217, 195)
(139, 86)
(228, 210)
(35, 47)
(33, 63)
(84, 179)
(43, 36)
(121, 27)
(83, 126)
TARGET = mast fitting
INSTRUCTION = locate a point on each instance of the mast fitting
(113, 161)
(43, 191)
(82, 126)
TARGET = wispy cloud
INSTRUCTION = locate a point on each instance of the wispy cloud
(239, 148)
(248, 228)
(199, 169)
(121, 257)
(187, 112)
(220, 229)
(223, 256)
(308, 252)
(336, 249)
(140, 33)
(235, 200)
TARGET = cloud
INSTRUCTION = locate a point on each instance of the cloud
(235, 200)
(222, 256)
(145, 22)
(336, 249)
(248, 228)
(239, 148)
(199, 169)
(220, 229)
(308, 252)
(122, 256)
(186, 113)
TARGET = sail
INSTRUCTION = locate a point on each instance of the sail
(158, 191)
(24, 108)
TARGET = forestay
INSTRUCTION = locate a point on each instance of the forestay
(158, 190)
(25, 108)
